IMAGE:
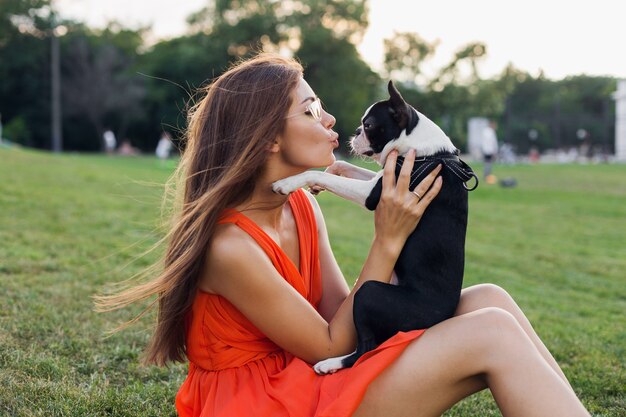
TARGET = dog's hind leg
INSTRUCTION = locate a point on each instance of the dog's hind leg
(382, 310)
(371, 305)
(330, 365)
(367, 338)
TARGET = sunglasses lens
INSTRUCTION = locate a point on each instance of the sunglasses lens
(316, 109)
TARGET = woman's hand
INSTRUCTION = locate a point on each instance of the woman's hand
(400, 210)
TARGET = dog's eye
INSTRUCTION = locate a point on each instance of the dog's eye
(367, 126)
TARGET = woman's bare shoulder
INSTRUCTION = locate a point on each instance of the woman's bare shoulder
(229, 246)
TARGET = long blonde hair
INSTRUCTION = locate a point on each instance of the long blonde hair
(229, 134)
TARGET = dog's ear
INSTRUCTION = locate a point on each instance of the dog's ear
(401, 111)
(395, 96)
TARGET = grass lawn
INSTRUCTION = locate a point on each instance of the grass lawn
(70, 224)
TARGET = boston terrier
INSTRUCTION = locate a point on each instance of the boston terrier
(428, 274)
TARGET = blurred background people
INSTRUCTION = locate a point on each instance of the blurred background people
(489, 149)
(127, 149)
(109, 141)
(164, 147)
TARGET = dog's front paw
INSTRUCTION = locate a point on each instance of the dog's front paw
(286, 186)
(328, 366)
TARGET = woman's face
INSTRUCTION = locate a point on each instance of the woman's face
(306, 141)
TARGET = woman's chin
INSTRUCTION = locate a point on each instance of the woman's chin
(322, 163)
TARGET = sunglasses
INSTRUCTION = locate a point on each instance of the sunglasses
(313, 109)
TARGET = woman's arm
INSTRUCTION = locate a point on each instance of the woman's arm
(334, 287)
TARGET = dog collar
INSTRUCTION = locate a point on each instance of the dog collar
(451, 161)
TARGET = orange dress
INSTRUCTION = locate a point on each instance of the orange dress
(235, 371)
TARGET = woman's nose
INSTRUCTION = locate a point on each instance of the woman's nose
(328, 120)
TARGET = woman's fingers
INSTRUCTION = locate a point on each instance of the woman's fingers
(389, 173)
(428, 189)
(405, 173)
(399, 210)
(401, 188)
(433, 191)
(427, 182)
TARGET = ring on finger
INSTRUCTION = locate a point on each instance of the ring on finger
(419, 197)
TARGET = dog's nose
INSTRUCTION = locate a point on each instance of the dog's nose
(358, 131)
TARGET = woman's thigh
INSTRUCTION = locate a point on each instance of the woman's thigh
(446, 364)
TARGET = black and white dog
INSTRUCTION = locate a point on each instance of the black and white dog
(429, 271)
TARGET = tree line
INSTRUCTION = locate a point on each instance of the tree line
(113, 79)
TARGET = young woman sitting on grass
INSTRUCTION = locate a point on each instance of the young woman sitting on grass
(252, 295)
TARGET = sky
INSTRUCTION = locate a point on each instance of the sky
(557, 37)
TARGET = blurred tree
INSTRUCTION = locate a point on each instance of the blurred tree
(172, 71)
(405, 53)
(175, 69)
(557, 110)
(23, 16)
(317, 32)
(450, 74)
(17, 131)
(245, 26)
(98, 86)
(25, 71)
(447, 98)
(345, 19)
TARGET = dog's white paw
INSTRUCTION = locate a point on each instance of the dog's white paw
(286, 186)
(328, 366)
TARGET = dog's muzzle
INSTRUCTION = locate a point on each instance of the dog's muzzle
(360, 145)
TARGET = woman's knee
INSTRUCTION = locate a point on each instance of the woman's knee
(493, 293)
(493, 326)
(482, 296)
(494, 318)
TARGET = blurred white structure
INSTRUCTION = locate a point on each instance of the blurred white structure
(475, 129)
(164, 147)
(620, 121)
(109, 141)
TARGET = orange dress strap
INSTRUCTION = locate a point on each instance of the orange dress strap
(306, 280)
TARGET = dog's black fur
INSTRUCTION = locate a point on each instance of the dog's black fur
(430, 267)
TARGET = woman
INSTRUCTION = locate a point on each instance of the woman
(252, 295)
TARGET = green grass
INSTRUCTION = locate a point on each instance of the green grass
(70, 224)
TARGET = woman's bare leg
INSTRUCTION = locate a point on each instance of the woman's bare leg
(489, 295)
(462, 355)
